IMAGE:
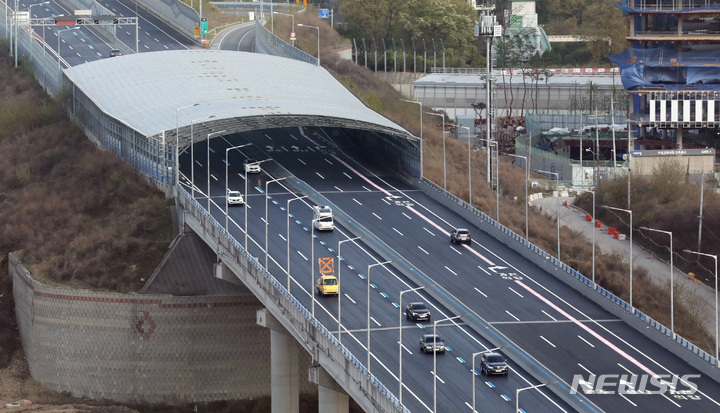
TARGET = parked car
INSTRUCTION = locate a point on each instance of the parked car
(417, 311)
(460, 235)
(235, 198)
(251, 166)
(493, 363)
(432, 343)
(328, 284)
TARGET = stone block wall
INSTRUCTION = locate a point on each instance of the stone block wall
(143, 348)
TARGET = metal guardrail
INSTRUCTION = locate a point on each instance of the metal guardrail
(293, 312)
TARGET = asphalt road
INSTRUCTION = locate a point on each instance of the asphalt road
(537, 314)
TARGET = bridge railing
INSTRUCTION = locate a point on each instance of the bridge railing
(309, 332)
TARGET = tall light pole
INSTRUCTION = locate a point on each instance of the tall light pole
(312, 266)
(368, 308)
(474, 372)
(717, 360)
(527, 177)
(442, 116)
(288, 238)
(421, 132)
(557, 189)
(517, 394)
(469, 162)
(400, 311)
(672, 289)
(58, 35)
(267, 196)
(318, 45)
(192, 152)
(629, 211)
(227, 188)
(435, 359)
(208, 166)
(593, 238)
(247, 200)
(293, 25)
(177, 141)
(339, 266)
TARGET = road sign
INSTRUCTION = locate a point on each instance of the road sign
(292, 36)
(324, 13)
(326, 265)
(251, 15)
(197, 31)
(203, 25)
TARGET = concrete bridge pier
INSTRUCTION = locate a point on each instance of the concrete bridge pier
(331, 396)
(284, 365)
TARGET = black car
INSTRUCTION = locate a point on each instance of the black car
(432, 343)
(493, 363)
(460, 235)
(115, 53)
(417, 312)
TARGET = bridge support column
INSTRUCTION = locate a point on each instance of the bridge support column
(284, 365)
(331, 396)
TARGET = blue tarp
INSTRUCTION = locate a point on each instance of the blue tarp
(628, 9)
(668, 69)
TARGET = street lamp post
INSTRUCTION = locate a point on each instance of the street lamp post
(293, 25)
(267, 196)
(318, 43)
(368, 308)
(312, 266)
(177, 140)
(527, 177)
(339, 294)
(672, 289)
(400, 311)
(474, 372)
(629, 211)
(421, 132)
(247, 201)
(288, 238)
(227, 150)
(517, 394)
(58, 35)
(557, 189)
(192, 153)
(717, 360)
(208, 167)
(442, 116)
(435, 359)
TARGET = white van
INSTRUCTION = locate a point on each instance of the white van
(323, 218)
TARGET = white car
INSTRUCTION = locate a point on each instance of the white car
(235, 198)
(252, 166)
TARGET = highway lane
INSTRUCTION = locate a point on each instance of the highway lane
(239, 38)
(603, 335)
(385, 312)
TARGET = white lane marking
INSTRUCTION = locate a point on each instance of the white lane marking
(406, 349)
(318, 174)
(421, 249)
(548, 341)
(628, 400)
(356, 201)
(483, 270)
(395, 229)
(350, 298)
(407, 216)
(282, 238)
(511, 315)
(301, 161)
(338, 188)
(346, 174)
(213, 177)
(438, 377)
(428, 231)
(304, 257)
(625, 368)
(375, 321)
(455, 249)
(483, 294)
(587, 342)
(377, 216)
(448, 268)
(585, 368)
(386, 201)
(366, 188)
(328, 161)
(671, 400)
(551, 317)
(519, 295)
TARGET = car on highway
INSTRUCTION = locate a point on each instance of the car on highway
(328, 285)
(235, 198)
(493, 363)
(251, 166)
(417, 312)
(460, 235)
(432, 343)
(115, 53)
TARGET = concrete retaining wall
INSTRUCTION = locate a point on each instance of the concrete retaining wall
(143, 348)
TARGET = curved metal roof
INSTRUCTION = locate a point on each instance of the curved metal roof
(221, 90)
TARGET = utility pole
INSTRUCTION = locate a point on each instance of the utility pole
(488, 28)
